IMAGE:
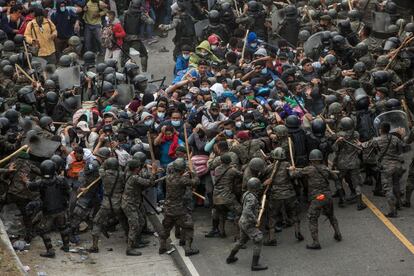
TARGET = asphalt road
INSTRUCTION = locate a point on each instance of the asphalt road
(368, 247)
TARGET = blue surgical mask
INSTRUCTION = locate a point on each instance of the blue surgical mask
(248, 125)
(238, 124)
(228, 132)
(161, 115)
(188, 105)
(186, 56)
(253, 45)
(264, 71)
(62, 9)
(176, 123)
(149, 122)
(377, 98)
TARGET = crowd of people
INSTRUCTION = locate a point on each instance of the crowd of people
(273, 108)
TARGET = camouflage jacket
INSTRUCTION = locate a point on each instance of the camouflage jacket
(113, 183)
(227, 179)
(347, 155)
(175, 190)
(282, 186)
(250, 211)
(135, 184)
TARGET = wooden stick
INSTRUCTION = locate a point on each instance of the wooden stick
(327, 126)
(187, 149)
(27, 55)
(291, 151)
(244, 44)
(407, 111)
(405, 42)
(22, 148)
(237, 8)
(150, 147)
(88, 187)
(198, 195)
(24, 73)
(350, 5)
(262, 208)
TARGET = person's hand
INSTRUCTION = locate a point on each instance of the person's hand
(102, 137)
(315, 81)
(399, 88)
(115, 94)
(292, 168)
(195, 130)
(267, 182)
(24, 178)
(12, 167)
(340, 139)
(163, 129)
(154, 168)
(400, 131)
(76, 28)
(81, 190)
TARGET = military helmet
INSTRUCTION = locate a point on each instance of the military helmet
(179, 165)
(391, 43)
(13, 59)
(393, 29)
(409, 28)
(111, 164)
(3, 36)
(139, 79)
(318, 127)
(12, 115)
(59, 162)
(109, 70)
(130, 67)
(52, 97)
(26, 95)
(89, 57)
(303, 35)
(315, 3)
(254, 184)
(48, 168)
(4, 62)
(107, 87)
(111, 63)
(253, 6)
(359, 67)
(103, 152)
(354, 15)
(18, 39)
(361, 49)
(380, 78)
(329, 99)
(332, 13)
(339, 40)
(9, 46)
(393, 104)
(225, 158)
(290, 11)
(315, 155)
(382, 60)
(214, 17)
(49, 84)
(401, 22)
(334, 108)
(359, 94)
(134, 164)
(330, 59)
(292, 121)
(45, 121)
(70, 104)
(8, 70)
(278, 154)
(74, 41)
(100, 67)
(346, 123)
(135, 148)
(257, 164)
(65, 61)
(4, 124)
(139, 155)
(281, 130)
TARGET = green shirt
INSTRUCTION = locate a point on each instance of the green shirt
(90, 16)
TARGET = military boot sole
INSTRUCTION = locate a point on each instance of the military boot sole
(162, 251)
(361, 207)
(133, 253)
(391, 215)
(259, 267)
(93, 250)
(314, 246)
(270, 243)
(48, 255)
(192, 252)
(338, 237)
(231, 260)
(299, 236)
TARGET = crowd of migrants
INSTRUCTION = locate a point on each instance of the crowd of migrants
(272, 104)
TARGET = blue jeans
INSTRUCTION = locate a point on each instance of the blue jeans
(93, 38)
(166, 18)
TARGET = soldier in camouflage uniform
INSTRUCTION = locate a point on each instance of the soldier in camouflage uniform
(132, 201)
(254, 169)
(347, 159)
(247, 224)
(248, 149)
(224, 198)
(175, 212)
(390, 148)
(282, 195)
(319, 195)
(113, 183)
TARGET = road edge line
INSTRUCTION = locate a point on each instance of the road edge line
(183, 263)
(397, 233)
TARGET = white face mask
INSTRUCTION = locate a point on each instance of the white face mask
(52, 128)
(253, 45)
(238, 124)
(186, 56)
(161, 115)
(213, 47)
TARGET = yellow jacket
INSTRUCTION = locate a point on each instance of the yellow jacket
(45, 36)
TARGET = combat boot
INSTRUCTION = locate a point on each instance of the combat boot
(337, 235)
(94, 248)
(298, 234)
(215, 232)
(272, 240)
(255, 264)
(314, 245)
(407, 201)
(144, 64)
(360, 204)
(65, 240)
(163, 246)
(341, 195)
(50, 253)
(232, 257)
(130, 251)
(189, 251)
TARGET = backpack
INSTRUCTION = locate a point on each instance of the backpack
(107, 37)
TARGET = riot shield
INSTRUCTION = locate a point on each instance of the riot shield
(210, 4)
(277, 19)
(125, 94)
(41, 147)
(313, 43)
(380, 23)
(199, 27)
(396, 118)
(68, 77)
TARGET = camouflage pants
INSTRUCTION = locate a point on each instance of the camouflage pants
(390, 179)
(105, 213)
(314, 212)
(410, 186)
(47, 222)
(353, 178)
(185, 222)
(136, 220)
(219, 211)
(249, 232)
(291, 206)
